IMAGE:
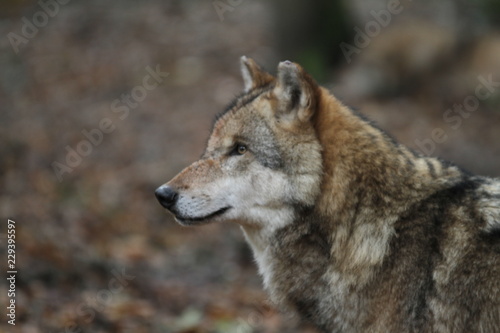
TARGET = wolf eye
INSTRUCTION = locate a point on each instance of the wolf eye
(239, 149)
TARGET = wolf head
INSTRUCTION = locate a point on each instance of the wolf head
(263, 159)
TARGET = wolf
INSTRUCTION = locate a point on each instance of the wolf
(349, 229)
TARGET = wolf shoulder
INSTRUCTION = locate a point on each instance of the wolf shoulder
(474, 201)
(488, 206)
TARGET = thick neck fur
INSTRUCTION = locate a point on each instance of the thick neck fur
(366, 180)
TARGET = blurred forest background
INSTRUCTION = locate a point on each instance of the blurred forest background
(95, 251)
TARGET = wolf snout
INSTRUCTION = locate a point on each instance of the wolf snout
(167, 196)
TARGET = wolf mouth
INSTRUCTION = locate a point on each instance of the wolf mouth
(191, 220)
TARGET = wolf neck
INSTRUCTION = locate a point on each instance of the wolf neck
(360, 161)
(369, 181)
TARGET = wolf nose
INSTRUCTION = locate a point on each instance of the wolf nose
(167, 196)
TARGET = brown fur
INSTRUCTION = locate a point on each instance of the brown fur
(354, 232)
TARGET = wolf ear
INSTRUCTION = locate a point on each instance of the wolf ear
(296, 91)
(253, 75)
